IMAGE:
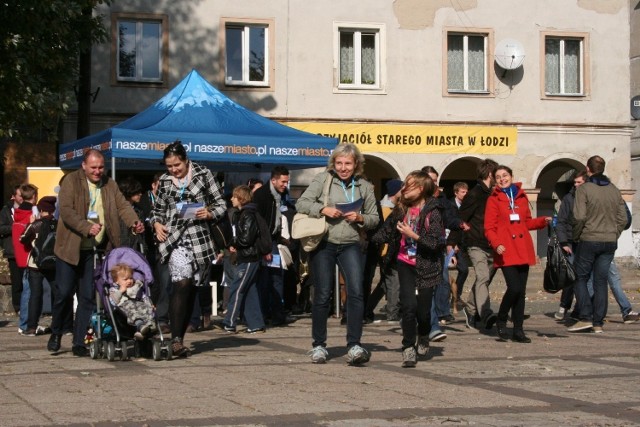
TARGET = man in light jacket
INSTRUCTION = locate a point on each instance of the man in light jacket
(600, 217)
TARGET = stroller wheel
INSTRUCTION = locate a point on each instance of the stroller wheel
(169, 350)
(124, 351)
(94, 348)
(157, 350)
(111, 351)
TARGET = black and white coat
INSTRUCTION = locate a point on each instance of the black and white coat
(201, 189)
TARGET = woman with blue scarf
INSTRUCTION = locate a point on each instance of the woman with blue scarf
(507, 221)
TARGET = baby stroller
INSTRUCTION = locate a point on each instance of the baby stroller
(109, 334)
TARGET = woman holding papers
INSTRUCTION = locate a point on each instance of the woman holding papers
(351, 207)
(188, 198)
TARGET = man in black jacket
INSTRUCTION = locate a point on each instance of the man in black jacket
(273, 204)
(6, 225)
(480, 253)
(564, 232)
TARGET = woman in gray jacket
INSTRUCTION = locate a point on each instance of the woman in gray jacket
(341, 245)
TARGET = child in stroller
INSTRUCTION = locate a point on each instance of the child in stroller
(129, 316)
(129, 296)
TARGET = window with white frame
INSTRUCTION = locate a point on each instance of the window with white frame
(564, 66)
(247, 54)
(359, 56)
(140, 49)
(467, 62)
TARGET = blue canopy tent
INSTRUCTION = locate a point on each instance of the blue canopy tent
(215, 131)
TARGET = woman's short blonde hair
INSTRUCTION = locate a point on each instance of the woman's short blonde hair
(243, 194)
(343, 150)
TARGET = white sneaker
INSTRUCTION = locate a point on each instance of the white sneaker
(560, 313)
(409, 358)
(357, 355)
(318, 354)
(423, 345)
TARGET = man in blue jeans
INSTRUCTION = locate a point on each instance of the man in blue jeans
(600, 217)
(91, 208)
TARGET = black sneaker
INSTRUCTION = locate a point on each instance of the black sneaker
(490, 321)
(254, 330)
(54, 343)
(80, 351)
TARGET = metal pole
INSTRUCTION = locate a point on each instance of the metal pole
(113, 168)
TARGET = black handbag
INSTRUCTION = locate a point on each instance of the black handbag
(559, 272)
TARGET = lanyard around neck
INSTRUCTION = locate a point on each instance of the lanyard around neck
(184, 185)
(512, 201)
(353, 187)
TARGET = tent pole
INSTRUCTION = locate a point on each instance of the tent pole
(113, 168)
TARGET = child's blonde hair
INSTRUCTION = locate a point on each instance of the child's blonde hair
(120, 269)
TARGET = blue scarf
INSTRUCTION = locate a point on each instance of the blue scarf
(512, 189)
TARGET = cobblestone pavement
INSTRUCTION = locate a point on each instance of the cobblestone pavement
(470, 378)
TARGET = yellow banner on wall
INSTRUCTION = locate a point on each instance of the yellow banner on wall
(418, 139)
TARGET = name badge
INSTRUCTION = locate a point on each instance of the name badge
(92, 215)
(179, 206)
(283, 208)
(514, 217)
(411, 252)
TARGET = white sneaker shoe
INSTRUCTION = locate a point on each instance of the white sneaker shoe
(560, 313)
(318, 354)
(357, 355)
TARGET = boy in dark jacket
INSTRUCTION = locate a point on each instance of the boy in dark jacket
(244, 292)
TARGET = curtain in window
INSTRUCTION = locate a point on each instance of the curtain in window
(150, 50)
(552, 66)
(368, 59)
(346, 57)
(126, 49)
(572, 66)
(455, 63)
(476, 66)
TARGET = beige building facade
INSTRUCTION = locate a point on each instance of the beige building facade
(539, 86)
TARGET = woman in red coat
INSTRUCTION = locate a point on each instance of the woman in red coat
(507, 221)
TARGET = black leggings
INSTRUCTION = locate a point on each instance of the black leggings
(513, 299)
(181, 306)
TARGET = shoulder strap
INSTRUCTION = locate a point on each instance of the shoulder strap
(325, 190)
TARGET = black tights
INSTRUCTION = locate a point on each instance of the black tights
(514, 297)
(181, 306)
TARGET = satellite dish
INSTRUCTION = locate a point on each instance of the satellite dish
(509, 54)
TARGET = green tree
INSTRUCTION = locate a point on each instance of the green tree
(40, 45)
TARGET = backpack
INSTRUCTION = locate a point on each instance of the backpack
(42, 251)
(629, 217)
(263, 241)
(222, 233)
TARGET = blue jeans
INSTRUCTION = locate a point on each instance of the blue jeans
(322, 262)
(593, 257)
(72, 279)
(613, 278)
(244, 296)
(24, 300)
(36, 287)
(443, 292)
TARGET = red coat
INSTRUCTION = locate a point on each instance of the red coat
(513, 235)
(21, 219)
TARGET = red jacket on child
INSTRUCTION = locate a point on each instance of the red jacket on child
(21, 219)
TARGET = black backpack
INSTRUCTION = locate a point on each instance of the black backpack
(263, 241)
(42, 251)
(222, 233)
